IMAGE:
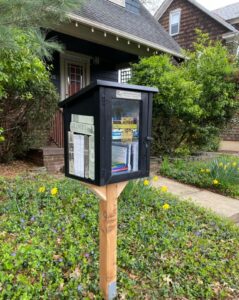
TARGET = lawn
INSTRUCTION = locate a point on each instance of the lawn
(167, 249)
(220, 174)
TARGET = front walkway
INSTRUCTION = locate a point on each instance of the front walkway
(229, 147)
(224, 206)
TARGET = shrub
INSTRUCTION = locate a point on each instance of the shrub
(28, 99)
(195, 100)
(175, 105)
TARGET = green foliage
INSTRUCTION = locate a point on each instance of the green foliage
(195, 100)
(30, 17)
(22, 21)
(49, 244)
(28, 99)
(206, 173)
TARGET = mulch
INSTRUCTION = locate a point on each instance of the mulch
(16, 168)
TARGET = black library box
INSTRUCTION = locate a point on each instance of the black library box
(107, 132)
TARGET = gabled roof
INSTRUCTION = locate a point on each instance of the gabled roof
(137, 25)
(164, 6)
(228, 12)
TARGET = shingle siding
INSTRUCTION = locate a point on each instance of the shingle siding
(191, 18)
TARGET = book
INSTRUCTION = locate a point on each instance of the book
(82, 119)
(92, 157)
(79, 162)
(86, 155)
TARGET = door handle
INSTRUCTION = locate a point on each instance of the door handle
(147, 141)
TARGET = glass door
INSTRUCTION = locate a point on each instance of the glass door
(125, 136)
(75, 80)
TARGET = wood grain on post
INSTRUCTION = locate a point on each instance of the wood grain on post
(108, 236)
(108, 240)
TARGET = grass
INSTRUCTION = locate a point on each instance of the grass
(220, 174)
(49, 244)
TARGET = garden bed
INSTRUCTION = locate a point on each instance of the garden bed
(219, 174)
(167, 249)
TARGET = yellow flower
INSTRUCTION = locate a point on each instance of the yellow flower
(234, 164)
(155, 178)
(166, 206)
(146, 182)
(220, 164)
(164, 189)
(41, 189)
(207, 170)
(202, 171)
(215, 182)
(54, 191)
(2, 138)
(225, 167)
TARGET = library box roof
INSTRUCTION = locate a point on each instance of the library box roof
(107, 129)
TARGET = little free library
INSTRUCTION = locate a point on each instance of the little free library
(107, 123)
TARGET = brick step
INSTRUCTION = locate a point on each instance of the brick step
(50, 157)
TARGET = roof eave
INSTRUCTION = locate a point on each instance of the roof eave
(123, 34)
(218, 19)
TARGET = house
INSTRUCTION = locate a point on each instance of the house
(102, 37)
(230, 14)
(180, 18)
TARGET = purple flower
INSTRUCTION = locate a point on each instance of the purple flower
(32, 219)
(79, 288)
(60, 260)
(13, 254)
(87, 255)
(198, 233)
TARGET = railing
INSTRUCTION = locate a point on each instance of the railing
(57, 133)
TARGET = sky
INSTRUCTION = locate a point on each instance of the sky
(209, 4)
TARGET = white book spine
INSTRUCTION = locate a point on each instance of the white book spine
(92, 157)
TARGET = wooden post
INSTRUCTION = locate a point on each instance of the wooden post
(108, 236)
(108, 243)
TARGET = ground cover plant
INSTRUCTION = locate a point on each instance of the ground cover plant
(220, 174)
(167, 249)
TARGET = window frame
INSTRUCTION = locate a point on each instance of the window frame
(172, 13)
(119, 2)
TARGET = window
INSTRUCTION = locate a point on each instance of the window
(125, 75)
(174, 25)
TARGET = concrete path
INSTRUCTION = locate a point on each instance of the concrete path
(229, 147)
(224, 206)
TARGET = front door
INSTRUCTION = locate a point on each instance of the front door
(74, 73)
(75, 77)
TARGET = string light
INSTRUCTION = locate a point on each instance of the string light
(105, 34)
(92, 29)
(76, 24)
